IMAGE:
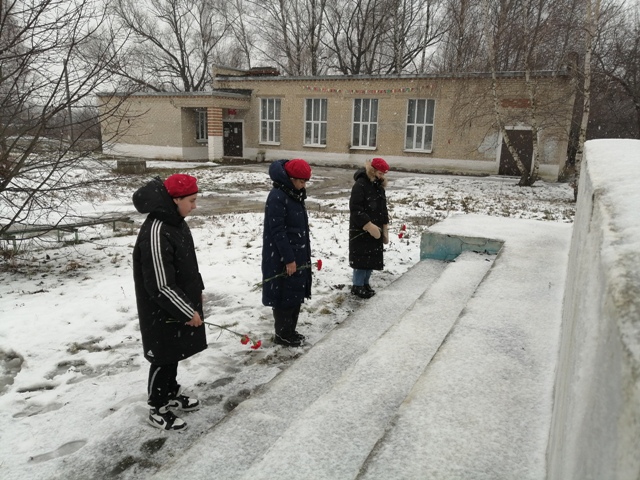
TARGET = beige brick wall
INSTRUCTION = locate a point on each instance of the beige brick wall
(465, 123)
(161, 120)
(465, 139)
(147, 121)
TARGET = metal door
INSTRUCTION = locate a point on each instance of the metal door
(232, 139)
(522, 141)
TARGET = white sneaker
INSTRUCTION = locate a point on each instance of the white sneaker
(165, 419)
(184, 403)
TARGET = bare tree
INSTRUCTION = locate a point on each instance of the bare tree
(414, 26)
(462, 47)
(169, 44)
(239, 15)
(311, 37)
(316, 15)
(591, 23)
(292, 31)
(522, 52)
(355, 30)
(47, 88)
(618, 68)
(557, 25)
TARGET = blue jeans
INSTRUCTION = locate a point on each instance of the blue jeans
(361, 277)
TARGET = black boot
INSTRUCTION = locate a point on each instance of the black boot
(360, 291)
(286, 320)
(287, 342)
(368, 288)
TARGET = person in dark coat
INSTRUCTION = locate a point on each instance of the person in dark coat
(168, 289)
(368, 224)
(286, 248)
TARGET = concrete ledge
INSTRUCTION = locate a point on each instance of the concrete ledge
(596, 418)
(131, 166)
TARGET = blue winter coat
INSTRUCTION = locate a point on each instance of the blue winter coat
(285, 239)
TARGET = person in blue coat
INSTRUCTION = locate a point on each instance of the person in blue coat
(286, 248)
(168, 288)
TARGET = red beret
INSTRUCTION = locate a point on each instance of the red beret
(298, 168)
(380, 164)
(181, 185)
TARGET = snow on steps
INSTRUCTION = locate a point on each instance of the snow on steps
(482, 408)
(335, 402)
(347, 421)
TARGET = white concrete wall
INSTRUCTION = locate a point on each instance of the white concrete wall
(155, 151)
(144, 151)
(595, 432)
(426, 165)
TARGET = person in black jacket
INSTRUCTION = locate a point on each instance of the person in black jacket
(286, 249)
(368, 224)
(168, 289)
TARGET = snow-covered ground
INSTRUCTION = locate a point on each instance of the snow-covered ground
(72, 375)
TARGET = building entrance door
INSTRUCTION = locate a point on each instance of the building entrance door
(232, 139)
(522, 140)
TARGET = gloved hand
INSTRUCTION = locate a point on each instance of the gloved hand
(385, 234)
(372, 229)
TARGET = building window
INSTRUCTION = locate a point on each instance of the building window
(270, 120)
(201, 126)
(315, 122)
(420, 125)
(365, 123)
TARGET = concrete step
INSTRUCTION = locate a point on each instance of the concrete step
(482, 408)
(347, 421)
(447, 373)
(245, 436)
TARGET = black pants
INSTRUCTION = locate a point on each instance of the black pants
(286, 320)
(163, 384)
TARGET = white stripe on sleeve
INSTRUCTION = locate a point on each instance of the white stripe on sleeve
(161, 277)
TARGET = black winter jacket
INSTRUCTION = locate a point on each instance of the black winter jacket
(167, 279)
(368, 203)
(285, 239)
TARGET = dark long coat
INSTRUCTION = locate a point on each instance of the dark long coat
(285, 239)
(368, 203)
(167, 280)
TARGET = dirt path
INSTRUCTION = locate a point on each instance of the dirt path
(327, 183)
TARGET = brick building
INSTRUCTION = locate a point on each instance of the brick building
(429, 123)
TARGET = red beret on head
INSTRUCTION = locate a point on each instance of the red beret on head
(181, 185)
(380, 164)
(298, 168)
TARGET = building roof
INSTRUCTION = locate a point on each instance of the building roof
(246, 77)
(219, 92)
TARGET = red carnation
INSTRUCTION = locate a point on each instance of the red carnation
(403, 228)
(244, 339)
(400, 235)
(319, 264)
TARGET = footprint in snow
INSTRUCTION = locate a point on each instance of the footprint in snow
(66, 449)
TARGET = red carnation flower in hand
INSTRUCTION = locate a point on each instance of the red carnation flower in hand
(244, 339)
